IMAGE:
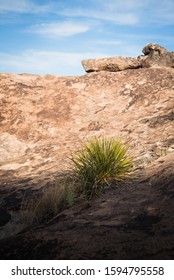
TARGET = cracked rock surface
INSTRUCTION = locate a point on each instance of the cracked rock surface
(43, 119)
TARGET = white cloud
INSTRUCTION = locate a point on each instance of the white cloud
(125, 12)
(22, 6)
(164, 12)
(123, 5)
(60, 29)
(118, 18)
(46, 62)
(122, 12)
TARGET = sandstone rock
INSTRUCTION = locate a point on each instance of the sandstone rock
(155, 55)
(112, 64)
(46, 118)
(56, 114)
(153, 48)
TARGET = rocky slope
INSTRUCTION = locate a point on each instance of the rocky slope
(43, 119)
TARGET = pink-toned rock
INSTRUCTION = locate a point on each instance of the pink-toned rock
(43, 119)
(112, 64)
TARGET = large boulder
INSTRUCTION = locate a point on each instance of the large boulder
(155, 55)
(112, 64)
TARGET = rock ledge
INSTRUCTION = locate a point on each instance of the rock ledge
(154, 55)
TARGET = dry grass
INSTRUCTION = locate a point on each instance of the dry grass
(99, 163)
(52, 200)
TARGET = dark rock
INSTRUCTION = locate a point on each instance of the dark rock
(4, 217)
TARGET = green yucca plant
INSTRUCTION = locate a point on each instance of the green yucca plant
(100, 162)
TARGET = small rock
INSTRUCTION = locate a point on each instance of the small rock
(152, 211)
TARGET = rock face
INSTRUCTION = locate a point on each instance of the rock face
(43, 119)
(154, 55)
(112, 64)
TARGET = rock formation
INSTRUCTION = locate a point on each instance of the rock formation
(43, 119)
(154, 55)
(112, 64)
(151, 48)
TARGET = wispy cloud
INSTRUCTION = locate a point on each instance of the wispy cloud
(118, 18)
(164, 12)
(123, 5)
(45, 62)
(106, 28)
(60, 29)
(22, 6)
(125, 12)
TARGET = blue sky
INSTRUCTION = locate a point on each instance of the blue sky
(52, 37)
